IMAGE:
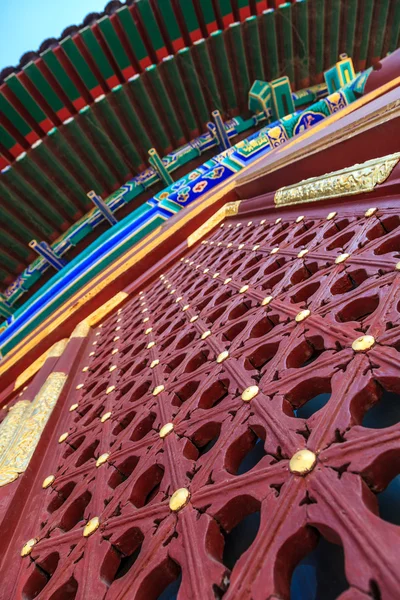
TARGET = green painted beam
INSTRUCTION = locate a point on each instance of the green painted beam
(190, 76)
(301, 43)
(177, 90)
(334, 31)
(202, 59)
(240, 64)
(133, 36)
(395, 28)
(377, 43)
(116, 48)
(351, 21)
(57, 70)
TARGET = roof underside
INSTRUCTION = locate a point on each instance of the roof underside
(162, 66)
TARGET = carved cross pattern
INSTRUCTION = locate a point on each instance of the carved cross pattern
(175, 389)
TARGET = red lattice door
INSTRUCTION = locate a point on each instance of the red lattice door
(244, 378)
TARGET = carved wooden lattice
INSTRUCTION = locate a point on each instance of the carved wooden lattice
(222, 320)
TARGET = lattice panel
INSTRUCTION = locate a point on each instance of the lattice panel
(227, 346)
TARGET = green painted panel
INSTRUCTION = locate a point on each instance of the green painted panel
(29, 215)
(6, 138)
(80, 64)
(97, 53)
(235, 33)
(189, 15)
(351, 21)
(381, 28)
(163, 98)
(395, 28)
(114, 43)
(14, 117)
(43, 86)
(368, 6)
(334, 29)
(302, 41)
(200, 50)
(271, 44)
(56, 68)
(169, 19)
(150, 23)
(319, 35)
(176, 86)
(252, 37)
(25, 98)
(124, 104)
(132, 33)
(143, 99)
(223, 69)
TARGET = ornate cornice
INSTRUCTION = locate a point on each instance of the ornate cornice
(353, 180)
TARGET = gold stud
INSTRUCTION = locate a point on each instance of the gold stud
(150, 345)
(238, 224)
(158, 389)
(48, 481)
(364, 342)
(278, 220)
(223, 356)
(145, 320)
(179, 499)
(256, 247)
(229, 245)
(105, 417)
(94, 343)
(112, 368)
(227, 280)
(341, 258)
(219, 244)
(117, 328)
(27, 548)
(92, 353)
(303, 314)
(243, 289)
(172, 292)
(116, 338)
(63, 437)
(211, 243)
(169, 286)
(73, 407)
(221, 225)
(166, 429)
(397, 267)
(302, 253)
(299, 219)
(179, 298)
(370, 212)
(205, 334)
(262, 222)
(331, 215)
(186, 307)
(98, 333)
(154, 363)
(302, 462)
(142, 304)
(91, 526)
(249, 223)
(145, 310)
(148, 330)
(85, 369)
(114, 351)
(103, 458)
(215, 275)
(240, 246)
(266, 300)
(229, 225)
(194, 318)
(250, 393)
(274, 250)
(140, 294)
(110, 389)
(206, 270)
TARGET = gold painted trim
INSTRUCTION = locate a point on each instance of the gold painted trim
(99, 314)
(81, 330)
(360, 178)
(22, 428)
(230, 209)
(54, 352)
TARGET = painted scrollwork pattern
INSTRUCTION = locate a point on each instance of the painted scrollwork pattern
(232, 345)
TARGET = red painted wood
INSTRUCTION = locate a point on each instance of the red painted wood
(290, 363)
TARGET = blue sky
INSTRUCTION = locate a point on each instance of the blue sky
(24, 24)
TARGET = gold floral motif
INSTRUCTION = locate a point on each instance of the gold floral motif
(58, 348)
(55, 351)
(346, 182)
(21, 429)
